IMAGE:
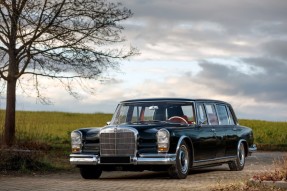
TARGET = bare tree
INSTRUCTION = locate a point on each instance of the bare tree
(59, 39)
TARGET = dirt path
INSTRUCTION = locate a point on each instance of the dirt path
(147, 181)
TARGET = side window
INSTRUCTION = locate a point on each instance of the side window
(211, 113)
(201, 113)
(188, 113)
(222, 114)
(231, 119)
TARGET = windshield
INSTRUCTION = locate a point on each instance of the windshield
(143, 112)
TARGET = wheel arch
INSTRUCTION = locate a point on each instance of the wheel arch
(245, 144)
(189, 143)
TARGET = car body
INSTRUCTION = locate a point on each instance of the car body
(171, 134)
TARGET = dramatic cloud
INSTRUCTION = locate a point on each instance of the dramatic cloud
(240, 46)
(196, 29)
(234, 50)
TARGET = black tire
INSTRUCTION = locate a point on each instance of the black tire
(90, 172)
(239, 163)
(180, 170)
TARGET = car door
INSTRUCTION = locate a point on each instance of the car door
(205, 144)
(232, 132)
(224, 129)
(217, 129)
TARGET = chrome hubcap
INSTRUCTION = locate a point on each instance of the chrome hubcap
(183, 159)
(241, 154)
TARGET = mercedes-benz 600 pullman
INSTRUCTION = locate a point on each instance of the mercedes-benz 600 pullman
(163, 134)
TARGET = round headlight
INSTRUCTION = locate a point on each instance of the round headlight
(76, 137)
(163, 140)
(76, 141)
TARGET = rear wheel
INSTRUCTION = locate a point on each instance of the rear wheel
(239, 163)
(90, 172)
(181, 168)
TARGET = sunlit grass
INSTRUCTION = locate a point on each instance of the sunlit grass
(268, 135)
(53, 127)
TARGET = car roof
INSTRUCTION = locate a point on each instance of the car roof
(173, 99)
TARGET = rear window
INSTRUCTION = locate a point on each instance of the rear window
(211, 113)
(222, 115)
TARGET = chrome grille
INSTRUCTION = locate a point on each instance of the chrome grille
(118, 142)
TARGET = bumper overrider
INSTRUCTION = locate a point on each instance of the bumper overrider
(143, 159)
(252, 149)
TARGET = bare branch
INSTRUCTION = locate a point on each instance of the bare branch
(2, 48)
(42, 99)
(55, 76)
(63, 39)
(37, 35)
(5, 27)
(21, 5)
(2, 75)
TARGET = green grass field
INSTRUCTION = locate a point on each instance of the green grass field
(54, 127)
(268, 135)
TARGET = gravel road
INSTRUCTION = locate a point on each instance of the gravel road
(203, 179)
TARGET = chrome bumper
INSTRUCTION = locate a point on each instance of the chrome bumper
(252, 149)
(143, 159)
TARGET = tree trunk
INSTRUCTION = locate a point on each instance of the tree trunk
(13, 70)
(10, 118)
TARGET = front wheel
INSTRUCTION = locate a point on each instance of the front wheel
(90, 172)
(239, 163)
(181, 168)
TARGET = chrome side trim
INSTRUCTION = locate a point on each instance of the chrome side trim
(213, 161)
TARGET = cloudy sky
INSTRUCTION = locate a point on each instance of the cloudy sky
(233, 50)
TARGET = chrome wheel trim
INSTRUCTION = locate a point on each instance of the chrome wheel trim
(183, 159)
(241, 154)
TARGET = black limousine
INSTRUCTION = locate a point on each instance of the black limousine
(163, 134)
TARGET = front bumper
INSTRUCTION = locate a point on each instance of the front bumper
(143, 159)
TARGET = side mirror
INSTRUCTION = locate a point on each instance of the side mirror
(154, 107)
(108, 123)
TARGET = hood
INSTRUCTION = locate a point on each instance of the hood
(144, 129)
